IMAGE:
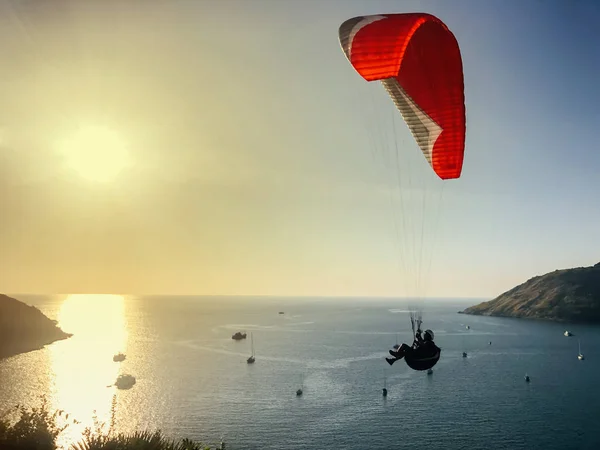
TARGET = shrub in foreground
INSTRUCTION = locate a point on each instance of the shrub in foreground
(33, 429)
(38, 429)
(139, 440)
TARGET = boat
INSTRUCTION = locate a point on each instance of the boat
(300, 390)
(568, 333)
(252, 357)
(580, 356)
(281, 312)
(464, 354)
(384, 391)
(468, 327)
(125, 381)
(238, 336)
(429, 371)
(490, 343)
(396, 347)
(527, 378)
(119, 357)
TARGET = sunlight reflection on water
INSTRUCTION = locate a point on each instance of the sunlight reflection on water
(82, 368)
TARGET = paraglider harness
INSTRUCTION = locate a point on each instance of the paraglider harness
(421, 358)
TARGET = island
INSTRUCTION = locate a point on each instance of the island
(567, 295)
(24, 328)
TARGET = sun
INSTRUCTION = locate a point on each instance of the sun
(95, 153)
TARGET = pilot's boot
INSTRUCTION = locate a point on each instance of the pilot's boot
(397, 354)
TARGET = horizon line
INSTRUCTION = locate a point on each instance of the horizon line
(284, 296)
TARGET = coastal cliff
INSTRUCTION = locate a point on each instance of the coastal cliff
(24, 328)
(568, 295)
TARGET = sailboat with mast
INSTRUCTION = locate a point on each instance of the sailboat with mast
(580, 356)
(252, 357)
(384, 391)
(300, 390)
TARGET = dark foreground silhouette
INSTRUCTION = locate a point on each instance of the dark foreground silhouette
(39, 429)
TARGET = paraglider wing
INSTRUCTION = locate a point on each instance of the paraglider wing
(417, 59)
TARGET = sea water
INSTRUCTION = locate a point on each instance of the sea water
(193, 380)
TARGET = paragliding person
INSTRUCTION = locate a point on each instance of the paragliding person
(423, 353)
(418, 61)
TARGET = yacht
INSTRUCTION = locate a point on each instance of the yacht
(125, 381)
(238, 336)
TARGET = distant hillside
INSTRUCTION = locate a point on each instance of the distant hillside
(569, 295)
(24, 328)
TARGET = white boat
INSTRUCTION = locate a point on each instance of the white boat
(568, 333)
(580, 356)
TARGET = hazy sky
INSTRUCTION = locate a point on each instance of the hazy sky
(252, 167)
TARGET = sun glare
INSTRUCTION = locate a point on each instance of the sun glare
(82, 366)
(95, 153)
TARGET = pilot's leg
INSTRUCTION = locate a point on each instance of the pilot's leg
(399, 354)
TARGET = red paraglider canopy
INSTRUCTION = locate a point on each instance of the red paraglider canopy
(418, 60)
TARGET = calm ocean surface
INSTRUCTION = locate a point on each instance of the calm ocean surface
(193, 380)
